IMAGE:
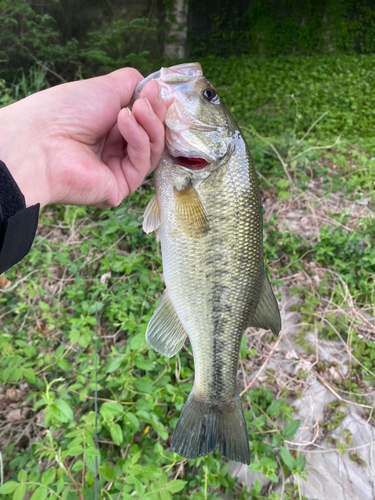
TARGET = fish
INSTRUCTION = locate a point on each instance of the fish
(208, 215)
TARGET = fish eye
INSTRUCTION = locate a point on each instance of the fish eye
(209, 94)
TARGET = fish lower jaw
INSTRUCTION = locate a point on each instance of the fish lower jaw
(191, 163)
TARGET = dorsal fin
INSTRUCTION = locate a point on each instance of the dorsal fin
(267, 314)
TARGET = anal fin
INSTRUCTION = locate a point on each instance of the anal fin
(267, 314)
(165, 333)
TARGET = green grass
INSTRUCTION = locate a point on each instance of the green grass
(259, 92)
(94, 271)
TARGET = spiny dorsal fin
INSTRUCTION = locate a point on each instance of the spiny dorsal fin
(267, 314)
(151, 217)
(165, 333)
(191, 216)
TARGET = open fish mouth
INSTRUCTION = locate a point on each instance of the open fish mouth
(191, 163)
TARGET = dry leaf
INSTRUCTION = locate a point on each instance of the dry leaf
(4, 282)
(291, 354)
(14, 394)
(17, 415)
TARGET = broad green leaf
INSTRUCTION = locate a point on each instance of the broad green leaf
(255, 467)
(160, 429)
(22, 476)
(131, 420)
(64, 365)
(19, 492)
(60, 351)
(115, 363)
(74, 336)
(175, 485)
(291, 429)
(110, 410)
(92, 452)
(60, 485)
(301, 462)
(77, 466)
(143, 363)
(40, 493)
(48, 476)
(116, 434)
(287, 459)
(62, 411)
(136, 456)
(85, 339)
(275, 406)
(74, 451)
(153, 495)
(138, 342)
(107, 472)
(29, 375)
(165, 495)
(139, 488)
(272, 477)
(9, 487)
(143, 386)
(257, 487)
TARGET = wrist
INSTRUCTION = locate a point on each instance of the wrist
(22, 152)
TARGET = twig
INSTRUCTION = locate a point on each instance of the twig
(263, 365)
(347, 401)
(73, 480)
(129, 403)
(145, 28)
(311, 127)
(349, 351)
(329, 450)
(280, 158)
(265, 180)
(103, 399)
(39, 63)
(330, 146)
(7, 290)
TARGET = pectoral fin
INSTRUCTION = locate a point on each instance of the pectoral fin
(151, 217)
(165, 333)
(191, 215)
(267, 314)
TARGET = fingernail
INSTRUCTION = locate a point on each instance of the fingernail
(130, 112)
(150, 110)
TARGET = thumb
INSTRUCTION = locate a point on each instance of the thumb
(121, 83)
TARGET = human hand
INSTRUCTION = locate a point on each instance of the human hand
(76, 144)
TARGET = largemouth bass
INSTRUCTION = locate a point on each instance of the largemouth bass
(207, 210)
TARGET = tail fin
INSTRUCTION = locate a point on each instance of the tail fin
(203, 426)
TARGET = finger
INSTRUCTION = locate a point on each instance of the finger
(153, 127)
(114, 145)
(151, 92)
(137, 161)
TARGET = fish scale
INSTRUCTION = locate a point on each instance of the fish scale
(210, 227)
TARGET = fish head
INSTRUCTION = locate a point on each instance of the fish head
(200, 132)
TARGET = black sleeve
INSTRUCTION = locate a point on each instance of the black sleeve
(18, 224)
